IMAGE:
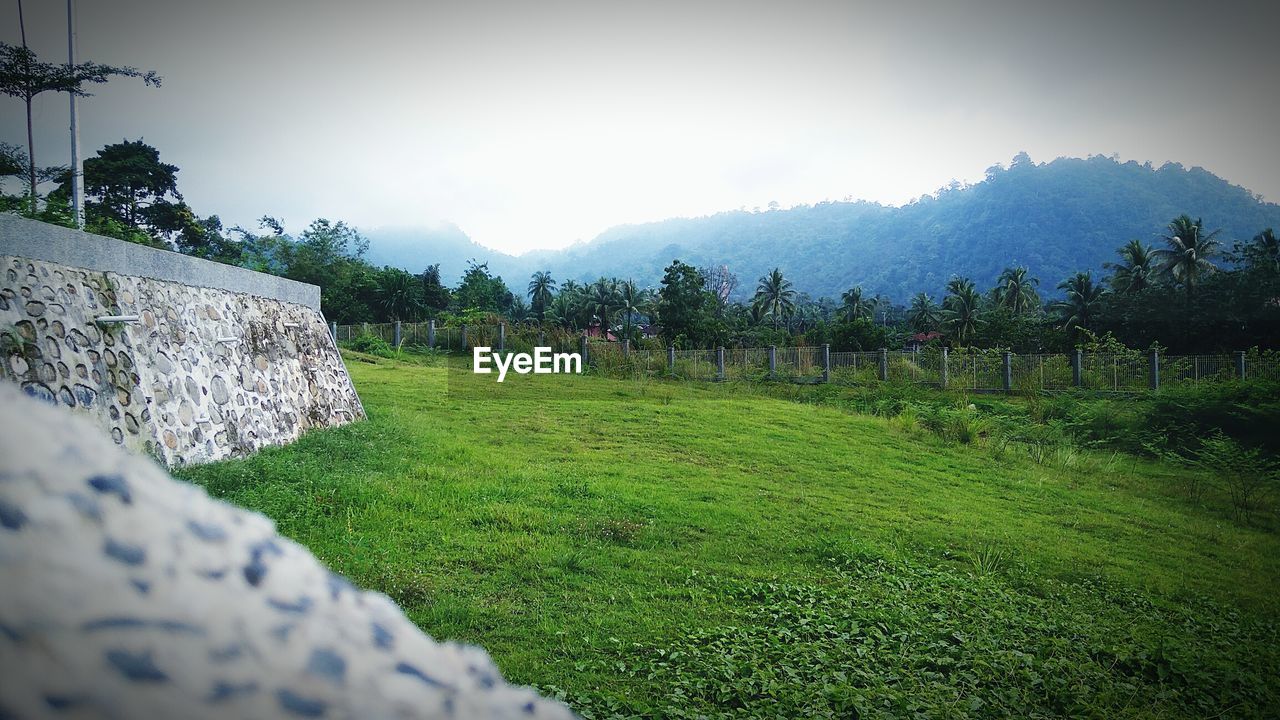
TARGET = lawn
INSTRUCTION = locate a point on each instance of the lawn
(653, 548)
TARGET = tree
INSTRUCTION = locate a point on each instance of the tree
(682, 303)
(1016, 291)
(855, 306)
(960, 309)
(775, 296)
(481, 291)
(720, 282)
(1079, 310)
(399, 294)
(923, 316)
(435, 296)
(541, 287)
(1263, 251)
(1136, 270)
(602, 299)
(1186, 259)
(631, 301)
(23, 75)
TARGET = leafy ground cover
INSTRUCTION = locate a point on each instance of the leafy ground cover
(650, 548)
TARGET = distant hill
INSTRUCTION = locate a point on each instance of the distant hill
(1056, 218)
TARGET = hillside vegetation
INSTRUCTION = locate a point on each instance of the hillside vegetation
(645, 548)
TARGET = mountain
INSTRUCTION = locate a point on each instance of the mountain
(413, 249)
(1056, 218)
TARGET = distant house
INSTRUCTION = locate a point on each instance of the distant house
(593, 331)
(919, 340)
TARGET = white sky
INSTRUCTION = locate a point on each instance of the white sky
(534, 125)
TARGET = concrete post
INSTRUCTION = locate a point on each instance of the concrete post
(431, 334)
(1008, 371)
(396, 337)
(1153, 369)
(826, 362)
(582, 348)
(364, 329)
(333, 330)
(944, 375)
(626, 349)
(884, 364)
(773, 360)
(1240, 364)
(720, 363)
(502, 337)
(671, 359)
(464, 338)
(542, 338)
(1077, 368)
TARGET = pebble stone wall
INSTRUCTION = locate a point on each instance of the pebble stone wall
(204, 374)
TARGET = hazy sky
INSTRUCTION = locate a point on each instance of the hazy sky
(536, 124)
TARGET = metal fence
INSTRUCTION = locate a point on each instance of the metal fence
(965, 369)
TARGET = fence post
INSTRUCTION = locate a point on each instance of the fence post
(1077, 367)
(1008, 371)
(884, 364)
(396, 335)
(582, 347)
(464, 337)
(773, 360)
(333, 330)
(671, 360)
(1153, 365)
(502, 337)
(720, 363)
(826, 362)
(364, 329)
(542, 338)
(431, 334)
(944, 373)
(1240, 364)
(626, 349)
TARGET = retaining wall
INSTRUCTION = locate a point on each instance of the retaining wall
(221, 361)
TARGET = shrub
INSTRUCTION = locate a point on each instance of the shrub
(373, 345)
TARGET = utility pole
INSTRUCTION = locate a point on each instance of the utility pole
(77, 167)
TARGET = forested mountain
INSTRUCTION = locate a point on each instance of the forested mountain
(1055, 218)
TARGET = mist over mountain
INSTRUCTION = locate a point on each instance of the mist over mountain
(1055, 218)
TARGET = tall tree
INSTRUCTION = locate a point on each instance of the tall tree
(23, 75)
(1186, 259)
(1264, 251)
(923, 315)
(631, 301)
(1136, 270)
(682, 304)
(435, 296)
(541, 288)
(1016, 290)
(602, 299)
(399, 293)
(775, 296)
(960, 309)
(855, 306)
(1079, 309)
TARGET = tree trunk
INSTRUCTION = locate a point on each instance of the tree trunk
(31, 159)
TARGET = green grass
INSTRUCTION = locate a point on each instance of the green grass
(677, 549)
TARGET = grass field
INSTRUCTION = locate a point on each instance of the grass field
(648, 548)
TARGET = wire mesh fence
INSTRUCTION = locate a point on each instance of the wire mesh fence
(959, 369)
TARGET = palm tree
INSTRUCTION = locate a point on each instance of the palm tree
(1016, 291)
(1265, 250)
(1186, 258)
(400, 294)
(602, 299)
(518, 310)
(855, 307)
(1080, 308)
(960, 309)
(1135, 271)
(541, 286)
(775, 295)
(631, 300)
(561, 311)
(923, 315)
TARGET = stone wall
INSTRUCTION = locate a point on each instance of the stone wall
(205, 373)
